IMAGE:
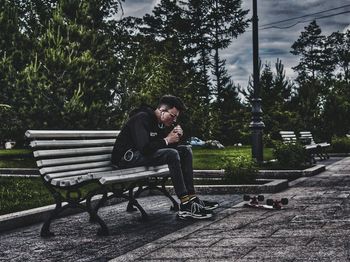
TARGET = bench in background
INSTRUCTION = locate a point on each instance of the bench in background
(290, 137)
(321, 147)
(76, 165)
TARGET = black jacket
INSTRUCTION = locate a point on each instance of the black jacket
(141, 133)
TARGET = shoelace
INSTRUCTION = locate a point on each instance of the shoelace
(196, 208)
(200, 202)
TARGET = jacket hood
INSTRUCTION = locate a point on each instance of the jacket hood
(143, 108)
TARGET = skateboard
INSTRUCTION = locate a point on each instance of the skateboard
(255, 202)
(253, 199)
(277, 204)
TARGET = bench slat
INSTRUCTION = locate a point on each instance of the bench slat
(72, 160)
(49, 177)
(308, 135)
(57, 169)
(308, 147)
(73, 151)
(133, 176)
(126, 171)
(287, 133)
(70, 133)
(70, 181)
(71, 143)
(288, 137)
(324, 144)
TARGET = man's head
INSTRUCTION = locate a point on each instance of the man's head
(169, 108)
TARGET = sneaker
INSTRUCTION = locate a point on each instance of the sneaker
(208, 205)
(191, 209)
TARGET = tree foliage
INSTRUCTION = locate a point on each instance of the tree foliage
(322, 80)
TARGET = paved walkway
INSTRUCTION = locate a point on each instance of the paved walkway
(315, 226)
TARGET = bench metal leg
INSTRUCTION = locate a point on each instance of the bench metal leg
(327, 156)
(323, 154)
(94, 217)
(72, 203)
(311, 157)
(133, 203)
(45, 229)
(130, 207)
(140, 208)
(162, 189)
(93, 210)
(318, 152)
(103, 230)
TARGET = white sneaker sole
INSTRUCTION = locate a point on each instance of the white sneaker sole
(211, 208)
(185, 214)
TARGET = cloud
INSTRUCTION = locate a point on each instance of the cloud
(139, 8)
(346, 28)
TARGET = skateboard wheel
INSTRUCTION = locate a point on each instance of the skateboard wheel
(269, 202)
(261, 198)
(284, 201)
(246, 198)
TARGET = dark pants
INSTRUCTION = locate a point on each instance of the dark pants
(179, 161)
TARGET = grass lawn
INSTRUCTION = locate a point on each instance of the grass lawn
(21, 193)
(16, 158)
(213, 158)
(15, 152)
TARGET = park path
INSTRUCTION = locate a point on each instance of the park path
(315, 226)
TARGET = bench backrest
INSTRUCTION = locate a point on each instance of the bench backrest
(71, 153)
(288, 137)
(306, 135)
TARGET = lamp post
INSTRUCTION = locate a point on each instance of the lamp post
(257, 125)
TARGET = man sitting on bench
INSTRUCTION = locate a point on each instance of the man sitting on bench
(150, 137)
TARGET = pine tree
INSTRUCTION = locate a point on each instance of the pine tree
(312, 71)
(13, 58)
(226, 20)
(340, 46)
(69, 80)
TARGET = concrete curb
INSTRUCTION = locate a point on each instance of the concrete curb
(266, 174)
(264, 186)
(37, 215)
(292, 174)
(27, 217)
(18, 172)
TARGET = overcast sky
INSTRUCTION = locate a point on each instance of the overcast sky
(273, 43)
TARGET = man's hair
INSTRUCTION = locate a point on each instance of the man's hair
(172, 101)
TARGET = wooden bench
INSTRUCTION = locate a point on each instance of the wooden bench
(321, 151)
(75, 166)
(290, 137)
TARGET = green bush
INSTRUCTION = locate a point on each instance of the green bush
(268, 141)
(341, 144)
(290, 155)
(240, 170)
